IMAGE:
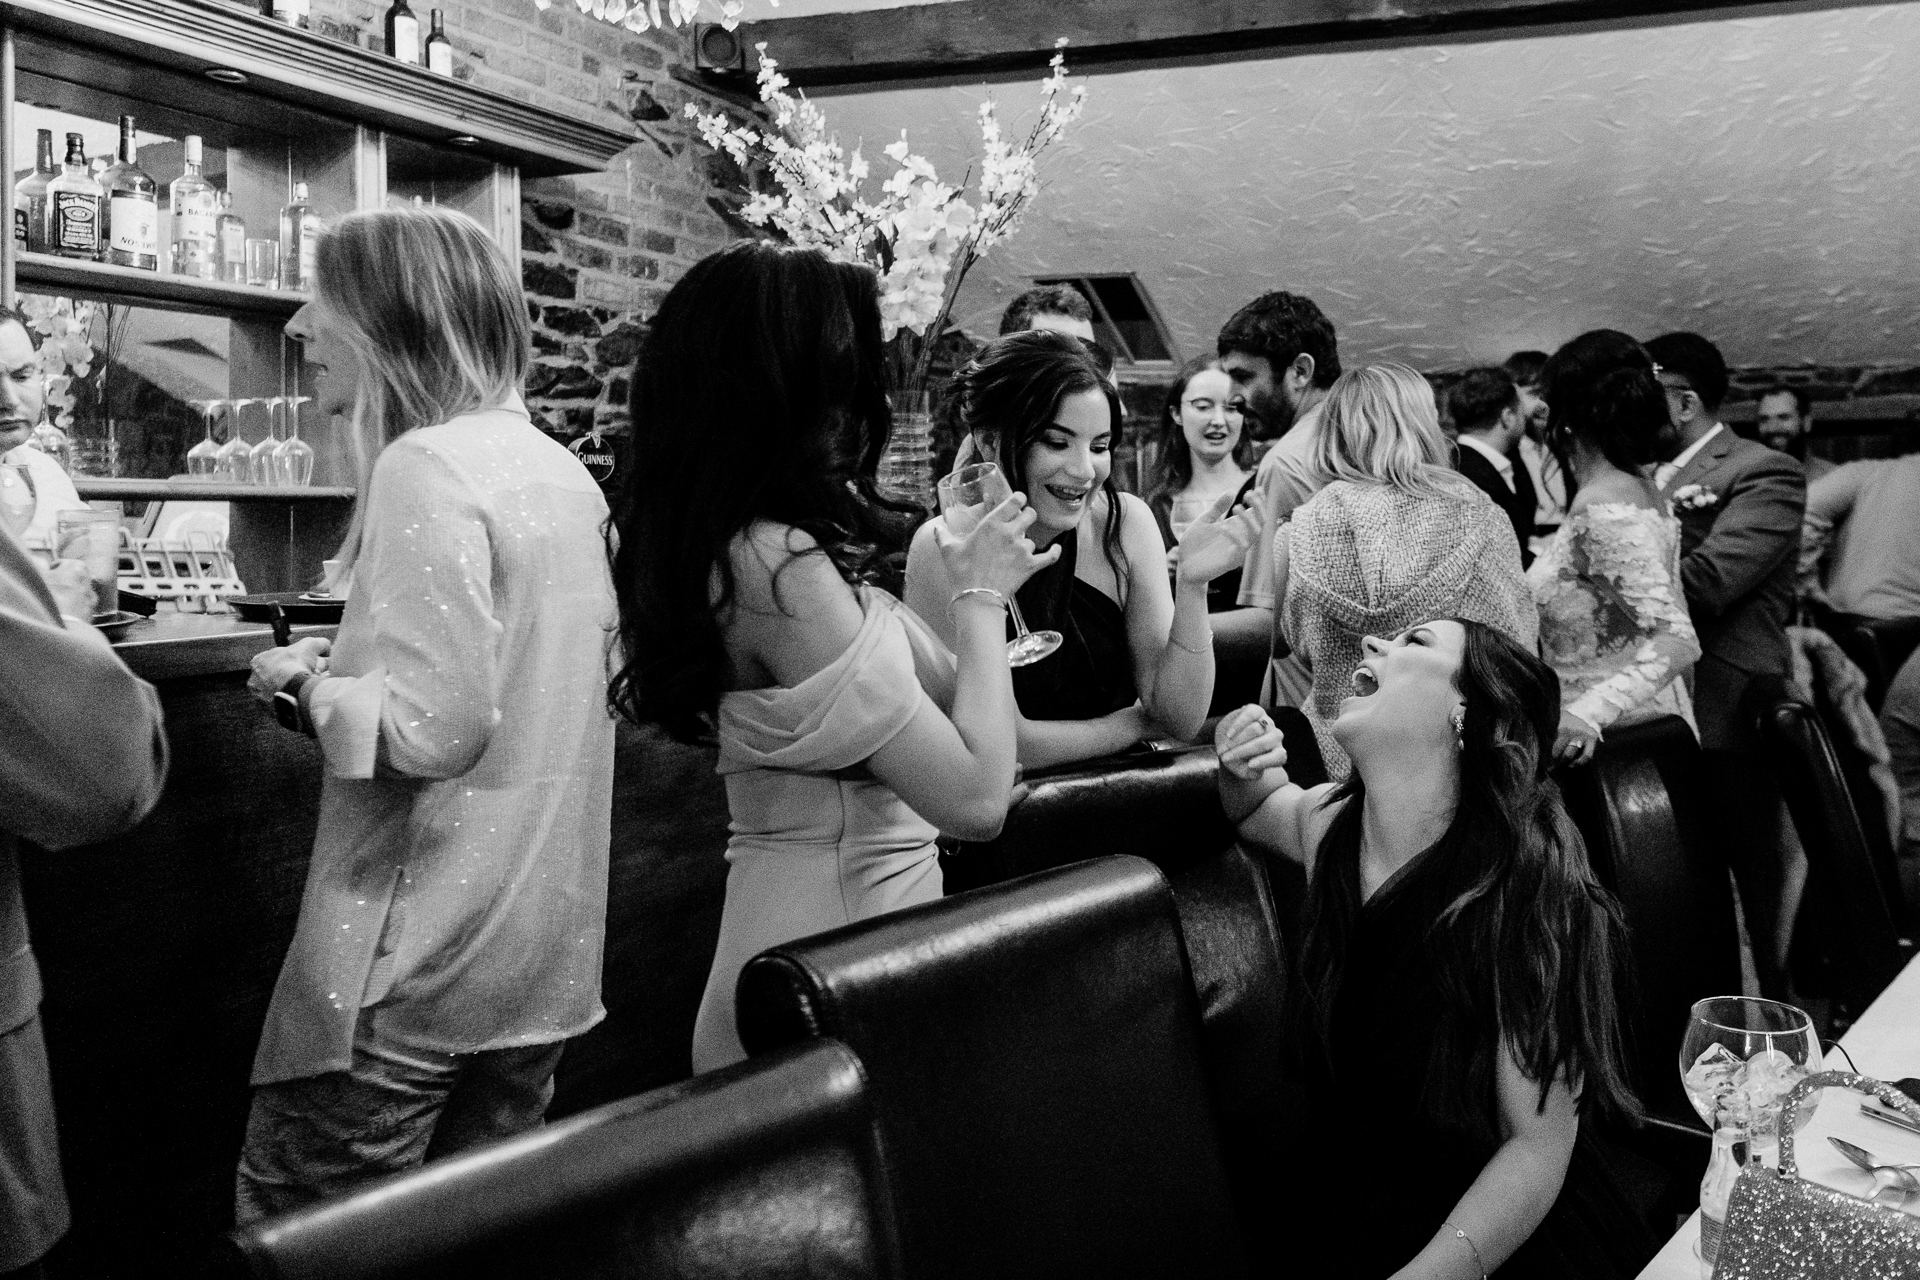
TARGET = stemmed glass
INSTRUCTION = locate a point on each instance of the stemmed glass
(260, 463)
(230, 464)
(18, 501)
(203, 460)
(966, 497)
(293, 459)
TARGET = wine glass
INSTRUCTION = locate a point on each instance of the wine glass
(293, 459)
(965, 498)
(1741, 1057)
(230, 464)
(203, 460)
(260, 462)
(18, 501)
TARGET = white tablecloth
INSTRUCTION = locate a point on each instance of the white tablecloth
(1884, 1043)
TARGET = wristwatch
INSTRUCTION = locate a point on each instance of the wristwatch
(286, 705)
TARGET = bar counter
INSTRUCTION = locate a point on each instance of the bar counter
(159, 949)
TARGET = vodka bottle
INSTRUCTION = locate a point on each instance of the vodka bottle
(73, 205)
(30, 199)
(195, 206)
(439, 48)
(232, 246)
(133, 208)
(299, 233)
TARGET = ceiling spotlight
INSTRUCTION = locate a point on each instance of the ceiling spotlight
(463, 140)
(226, 75)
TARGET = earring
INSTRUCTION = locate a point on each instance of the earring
(1459, 718)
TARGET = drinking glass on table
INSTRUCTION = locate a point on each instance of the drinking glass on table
(92, 537)
(203, 460)
(965, 498)
(1740, 1058)
(230, 464)
(18, 501)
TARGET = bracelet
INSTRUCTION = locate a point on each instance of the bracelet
(958, 596)
(1462, 1236)
(1208, 648)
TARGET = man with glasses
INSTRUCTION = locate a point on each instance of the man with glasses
(1740, 506)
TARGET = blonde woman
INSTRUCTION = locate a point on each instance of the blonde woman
(450, 934)
(1394, 536)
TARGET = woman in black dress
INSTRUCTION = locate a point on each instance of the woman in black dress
(1137, 661)
(1458, 967)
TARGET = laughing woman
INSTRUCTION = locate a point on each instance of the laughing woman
(1460, 960)
(1138, 655)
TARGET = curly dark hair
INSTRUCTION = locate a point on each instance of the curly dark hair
(1044, 300)
(1532, 951)
(1601, 390)
(1278, 327)
(759, 394)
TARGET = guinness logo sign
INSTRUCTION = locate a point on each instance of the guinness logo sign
(595, 454)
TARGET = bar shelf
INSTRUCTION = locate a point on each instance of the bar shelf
(47, 273)
(95, 488)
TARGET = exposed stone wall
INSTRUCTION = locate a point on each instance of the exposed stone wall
(598, 251)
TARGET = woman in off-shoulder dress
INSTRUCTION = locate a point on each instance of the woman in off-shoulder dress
(1613, 617)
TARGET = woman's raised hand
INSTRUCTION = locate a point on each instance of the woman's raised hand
(996, 554)
(1249, 744)
(1216, 546)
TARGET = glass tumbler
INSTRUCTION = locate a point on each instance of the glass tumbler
(263, 263)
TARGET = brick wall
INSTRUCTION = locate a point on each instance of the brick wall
(598, 251)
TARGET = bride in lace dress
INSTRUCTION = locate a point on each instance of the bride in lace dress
(1613, 618)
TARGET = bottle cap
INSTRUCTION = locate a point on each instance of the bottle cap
(126, 124)
(193, 148)
(226, 199)
(299, 191)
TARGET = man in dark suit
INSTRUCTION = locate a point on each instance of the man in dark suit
(1740, 505)
(1485, 407)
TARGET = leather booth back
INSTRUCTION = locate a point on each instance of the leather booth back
(762, 1171)
(1165, 808)
(1846, 916)
(1878, 646)
(1639, 804)
(1033, 1052)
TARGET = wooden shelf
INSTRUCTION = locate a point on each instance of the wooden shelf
(37, 272)
(308, 70)
(209, 491)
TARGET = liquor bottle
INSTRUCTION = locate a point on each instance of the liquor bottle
(73, 205)
(232, 249)
(439, 48)
(403, 33)
(195, 206)
(295, 13)
(30, 199)
(132, 236)
(299, 233)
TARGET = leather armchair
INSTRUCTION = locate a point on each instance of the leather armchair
(762, 1171)
(1849, 916)
(1033, 1050)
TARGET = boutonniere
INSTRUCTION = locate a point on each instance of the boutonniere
(1694, 497)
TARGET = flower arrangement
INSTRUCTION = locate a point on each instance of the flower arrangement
(919, 233)
(65, 326)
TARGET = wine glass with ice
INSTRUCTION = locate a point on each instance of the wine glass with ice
(965, 498)
(1740, 1058)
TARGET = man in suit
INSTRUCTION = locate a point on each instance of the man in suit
(1486, 411)
(1740, 506)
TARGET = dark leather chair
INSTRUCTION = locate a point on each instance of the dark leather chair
(1878, 646)
(1849, 915)
(1033, 1052)
(1239, 669)
(762, 1171)
(1640, 806)
(1166, 808)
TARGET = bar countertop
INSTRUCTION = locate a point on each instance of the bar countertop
(171, 645)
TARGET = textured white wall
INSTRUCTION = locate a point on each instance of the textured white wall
(1757, 180)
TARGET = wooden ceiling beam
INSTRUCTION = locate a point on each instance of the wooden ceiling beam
(967, 39)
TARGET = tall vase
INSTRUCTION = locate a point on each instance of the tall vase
(906, 468)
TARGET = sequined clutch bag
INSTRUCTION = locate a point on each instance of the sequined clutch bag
(1782, 1227)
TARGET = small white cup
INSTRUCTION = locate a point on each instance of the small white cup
(331, 582)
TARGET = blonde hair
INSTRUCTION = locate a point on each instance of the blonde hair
(433, 311)
(1382, 426)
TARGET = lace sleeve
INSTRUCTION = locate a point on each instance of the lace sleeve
(1645, 636)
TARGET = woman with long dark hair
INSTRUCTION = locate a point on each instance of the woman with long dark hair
(1459, 965)
(1138, 656)
(743, 544)
(1205, 464)
(1613, 617)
